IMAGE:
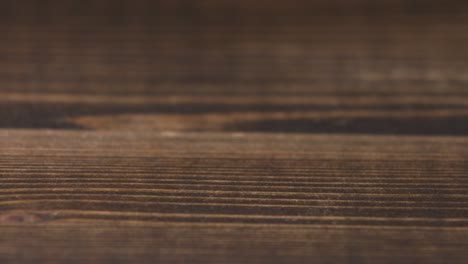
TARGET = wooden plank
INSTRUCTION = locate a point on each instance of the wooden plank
(106, 197)
(217, 131)
(326, 71)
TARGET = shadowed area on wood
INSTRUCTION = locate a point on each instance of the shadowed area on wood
(377, 125)
(328, 118)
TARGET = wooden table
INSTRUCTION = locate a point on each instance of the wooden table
(233, 131)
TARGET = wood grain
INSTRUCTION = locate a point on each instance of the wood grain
(113, 196)
(206, 131)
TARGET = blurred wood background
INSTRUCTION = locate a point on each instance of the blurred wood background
(240, 131)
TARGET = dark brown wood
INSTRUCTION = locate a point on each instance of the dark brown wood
(113, 196)
(233, 131)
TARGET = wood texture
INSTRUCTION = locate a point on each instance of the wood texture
(233, 131)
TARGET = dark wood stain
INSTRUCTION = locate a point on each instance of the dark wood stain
(55, 115)
(381, 125)
(217, 131)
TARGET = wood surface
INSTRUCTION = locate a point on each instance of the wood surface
(216, 131)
